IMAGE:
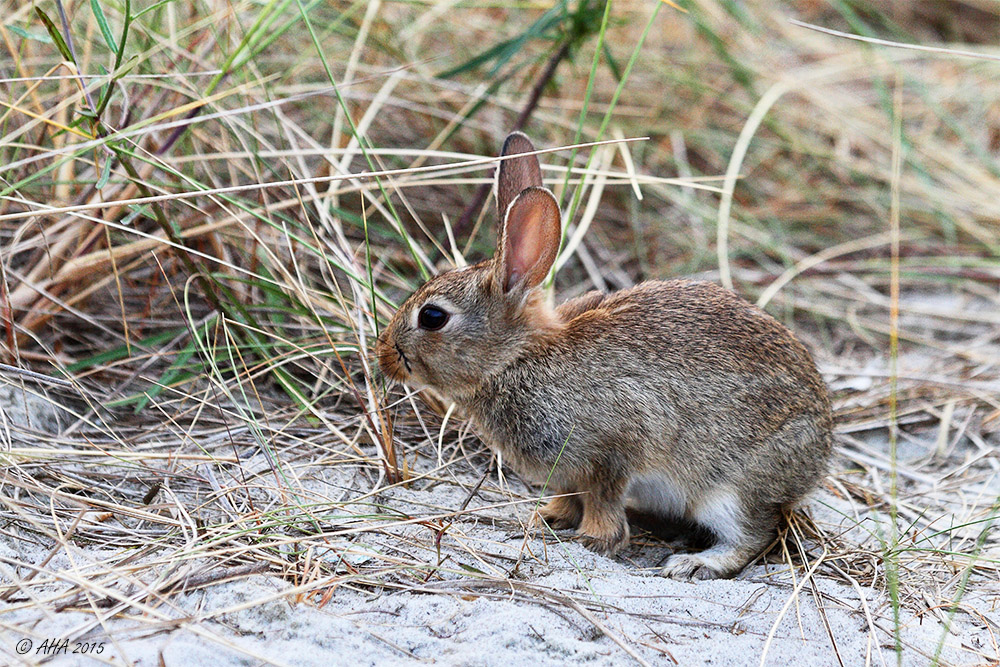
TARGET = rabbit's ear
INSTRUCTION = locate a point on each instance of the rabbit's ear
(532, 230)
(515, 174)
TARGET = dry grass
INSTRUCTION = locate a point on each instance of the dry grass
(208, 263)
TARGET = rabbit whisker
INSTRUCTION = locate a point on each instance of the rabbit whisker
(402, 357)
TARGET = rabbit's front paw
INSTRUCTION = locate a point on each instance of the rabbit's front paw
(607, 539)
(563, 512)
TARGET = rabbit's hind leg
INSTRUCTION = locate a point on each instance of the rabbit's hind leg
(739, 538)
(722, 561)
(604, 526)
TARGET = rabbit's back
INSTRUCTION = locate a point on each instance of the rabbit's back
(694, 339)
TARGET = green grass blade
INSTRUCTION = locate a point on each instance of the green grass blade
(53, 31)
(21, 32)
(102, 23)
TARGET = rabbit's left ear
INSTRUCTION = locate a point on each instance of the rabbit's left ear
(515, 173)
(530, 242)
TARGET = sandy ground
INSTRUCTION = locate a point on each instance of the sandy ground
(756, 619)
(738, 622)
(494, 591)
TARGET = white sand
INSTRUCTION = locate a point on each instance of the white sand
(716, 622)
(456, 619)
(505, 594)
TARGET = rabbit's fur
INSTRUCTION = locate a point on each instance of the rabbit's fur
(675, 397)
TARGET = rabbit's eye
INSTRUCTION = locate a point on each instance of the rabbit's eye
(432, 318)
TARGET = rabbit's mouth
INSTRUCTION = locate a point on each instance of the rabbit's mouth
(402, 357)
(393, 361)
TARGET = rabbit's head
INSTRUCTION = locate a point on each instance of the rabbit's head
(464, 325)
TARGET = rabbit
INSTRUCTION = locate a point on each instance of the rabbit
(675, 398)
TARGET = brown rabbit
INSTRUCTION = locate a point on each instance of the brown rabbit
(677, 398)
